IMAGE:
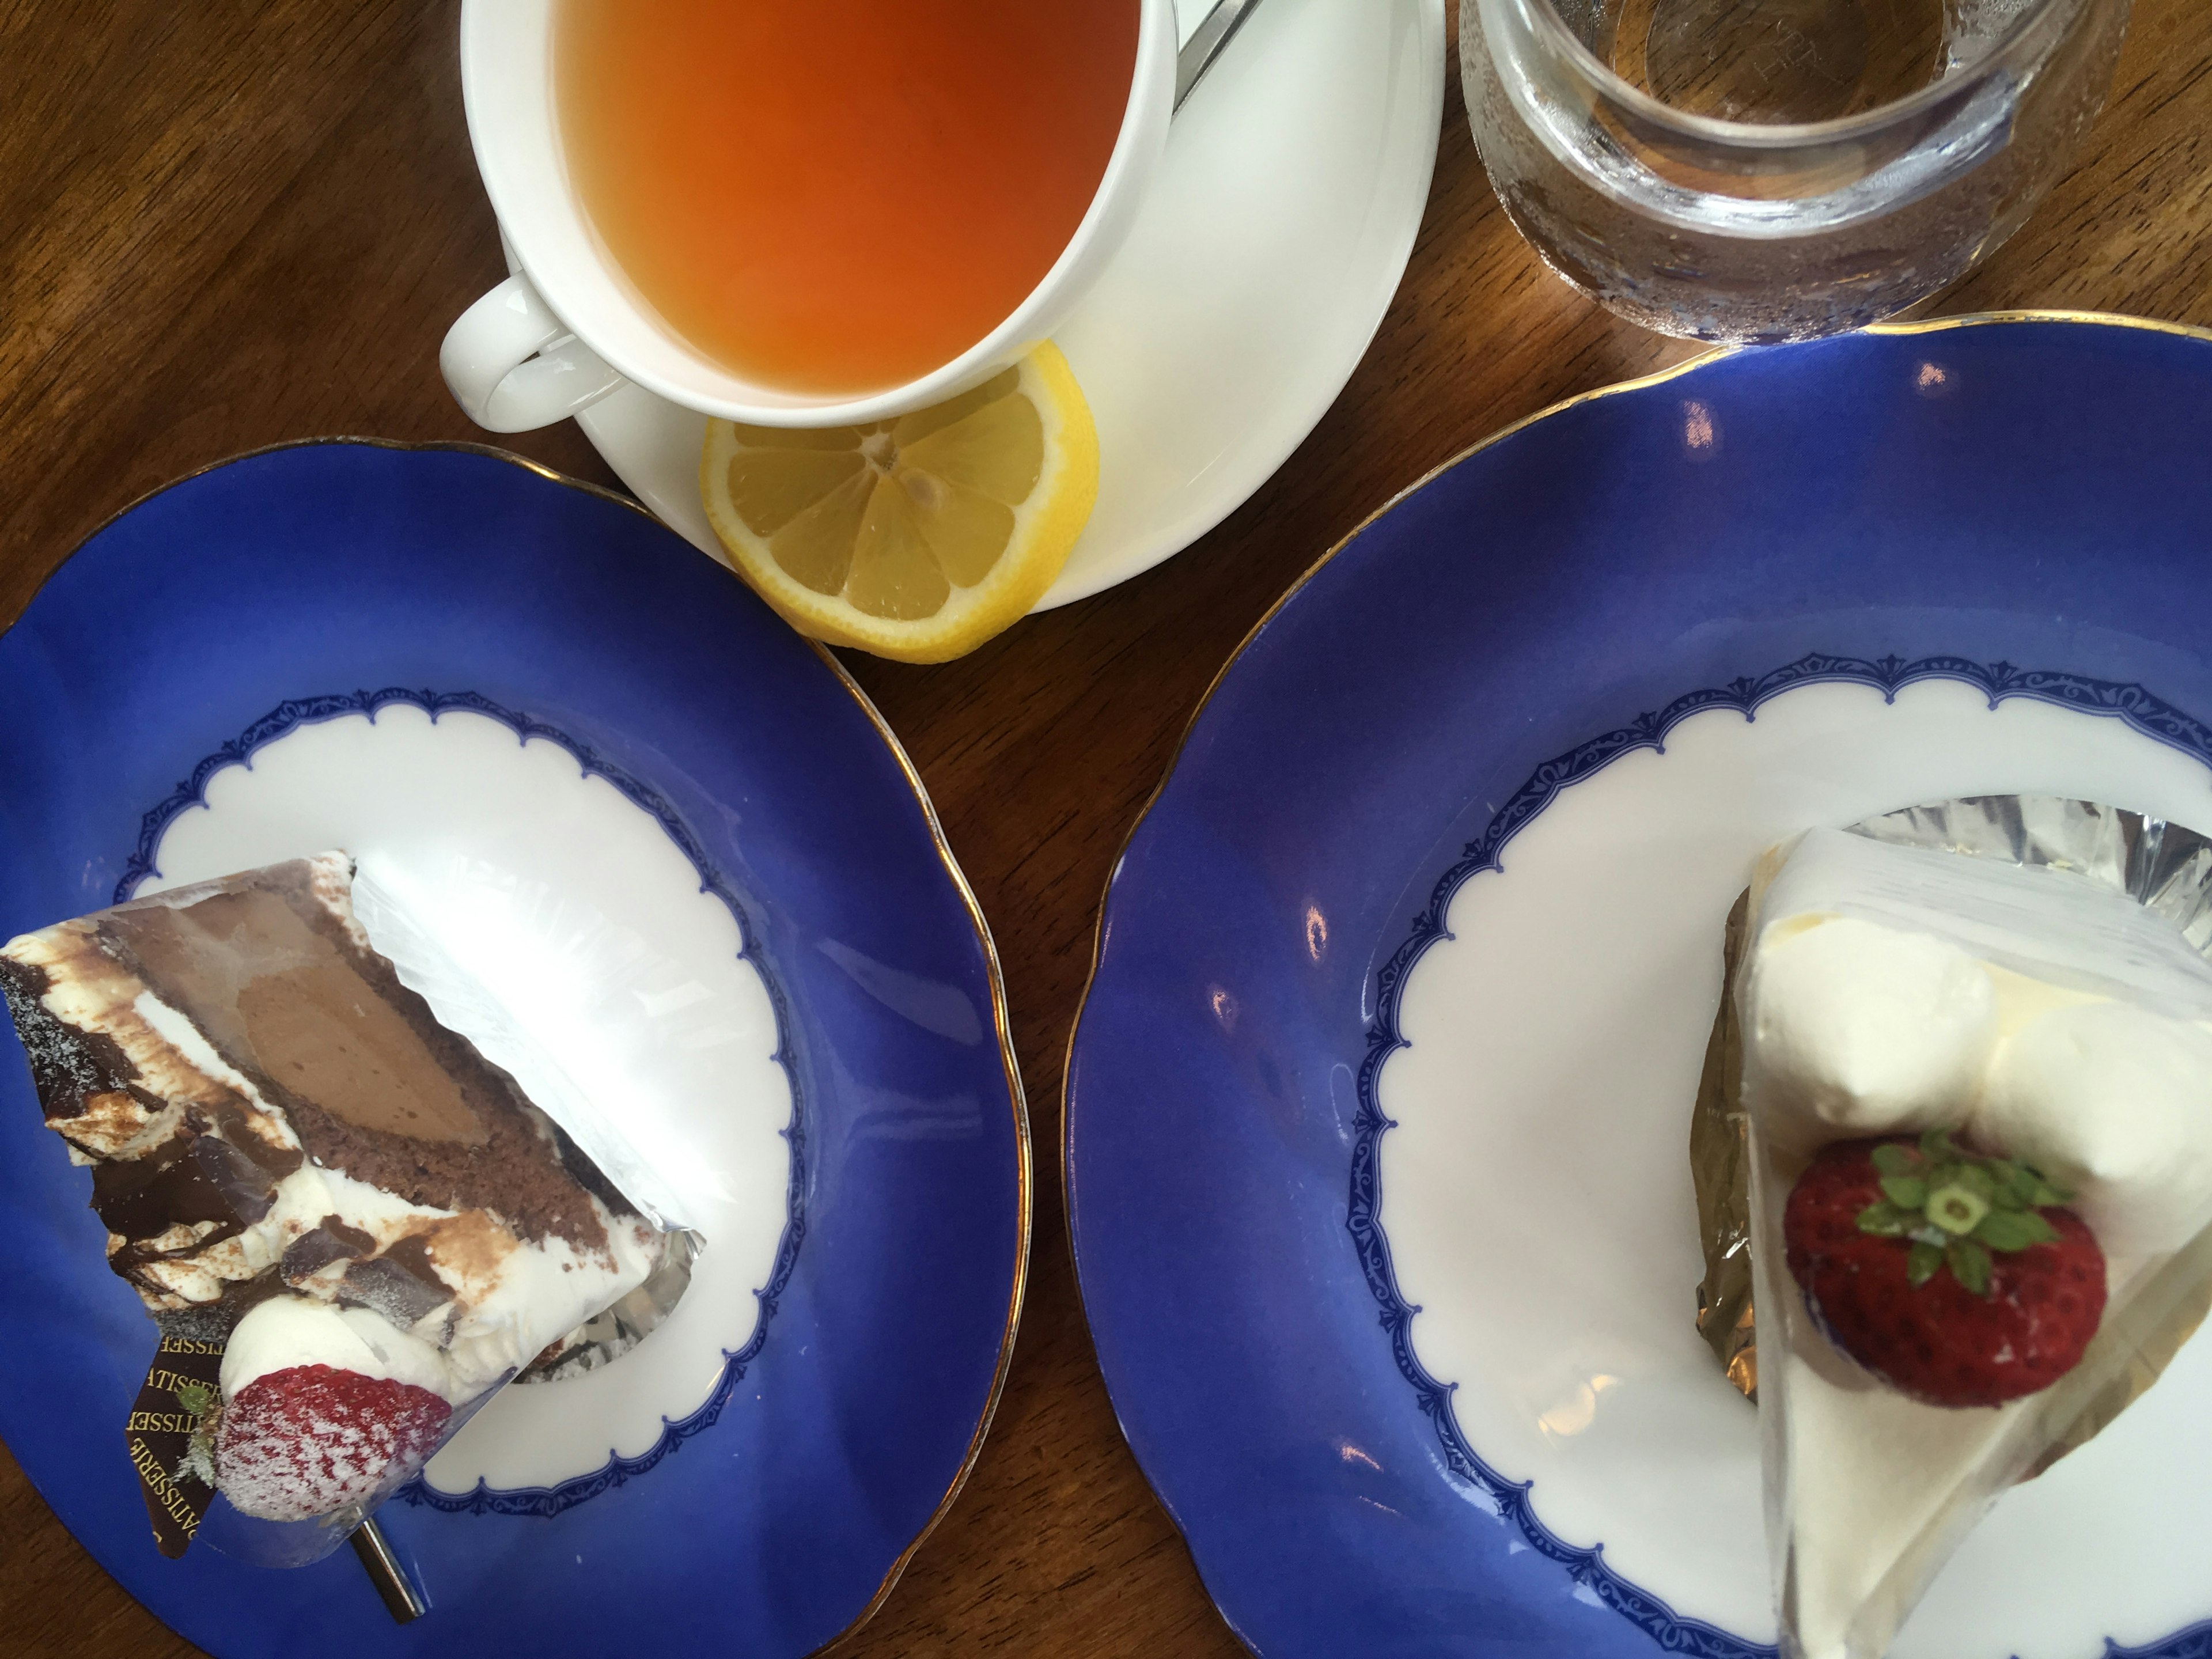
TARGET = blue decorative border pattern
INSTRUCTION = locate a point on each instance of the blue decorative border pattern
(2195, 1642)
(2130, 704)
(288, 717)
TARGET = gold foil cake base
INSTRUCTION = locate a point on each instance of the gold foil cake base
(1720, 1169)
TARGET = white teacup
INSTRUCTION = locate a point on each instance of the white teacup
(568, 328)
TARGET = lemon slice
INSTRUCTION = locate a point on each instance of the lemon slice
(916, 539)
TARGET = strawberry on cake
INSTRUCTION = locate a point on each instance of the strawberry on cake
(1978, 1101)
(320, 1404)
(1957, 1280)
(349, 1225)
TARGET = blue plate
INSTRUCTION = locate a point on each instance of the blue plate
(2016, 511)
(316, 581)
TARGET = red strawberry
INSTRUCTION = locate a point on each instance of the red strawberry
(1954, 1278)
(309, 1439)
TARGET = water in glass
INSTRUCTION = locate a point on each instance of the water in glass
(1776, 169)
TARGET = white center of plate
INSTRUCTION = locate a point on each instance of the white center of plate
(460, 806)
(1536, 1190)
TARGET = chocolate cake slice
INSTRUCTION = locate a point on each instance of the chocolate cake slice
(349, 1223)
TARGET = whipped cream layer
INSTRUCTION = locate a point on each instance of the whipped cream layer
(289, 1331)
(2115, 1102)
(2045, 1018)
(1857, 1028)
(487, 1300)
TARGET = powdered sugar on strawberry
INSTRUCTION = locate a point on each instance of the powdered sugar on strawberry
(302, 1442)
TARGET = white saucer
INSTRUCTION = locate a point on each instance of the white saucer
(1272, 242)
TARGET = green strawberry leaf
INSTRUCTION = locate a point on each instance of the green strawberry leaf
(1978, 1181)
(1970, 1265)
(199, 1460)
(1920, 1266)
(1887, 1221)
(2010, 1230)
(1895, 1160)
(1907, 1192)
(1956, 1207)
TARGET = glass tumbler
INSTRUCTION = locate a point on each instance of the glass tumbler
(1759, 170)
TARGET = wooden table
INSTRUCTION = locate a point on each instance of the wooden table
(226, 224)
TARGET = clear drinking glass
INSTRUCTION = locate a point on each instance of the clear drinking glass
(1756, 170)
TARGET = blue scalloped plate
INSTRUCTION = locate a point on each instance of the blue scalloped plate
(349, 635)
(1376, 1105)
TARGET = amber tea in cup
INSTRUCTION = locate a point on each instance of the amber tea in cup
(831, 198)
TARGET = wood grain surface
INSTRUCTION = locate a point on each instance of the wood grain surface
(225, 224)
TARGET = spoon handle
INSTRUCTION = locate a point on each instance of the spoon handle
(1207, 41)
(401, 1597)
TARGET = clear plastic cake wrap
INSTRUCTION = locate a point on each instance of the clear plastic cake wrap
(357, 1192)
(1958, 1116)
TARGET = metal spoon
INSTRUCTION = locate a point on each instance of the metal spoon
(1207, 41)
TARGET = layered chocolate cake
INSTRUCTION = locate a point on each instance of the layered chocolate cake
(349, 1223)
